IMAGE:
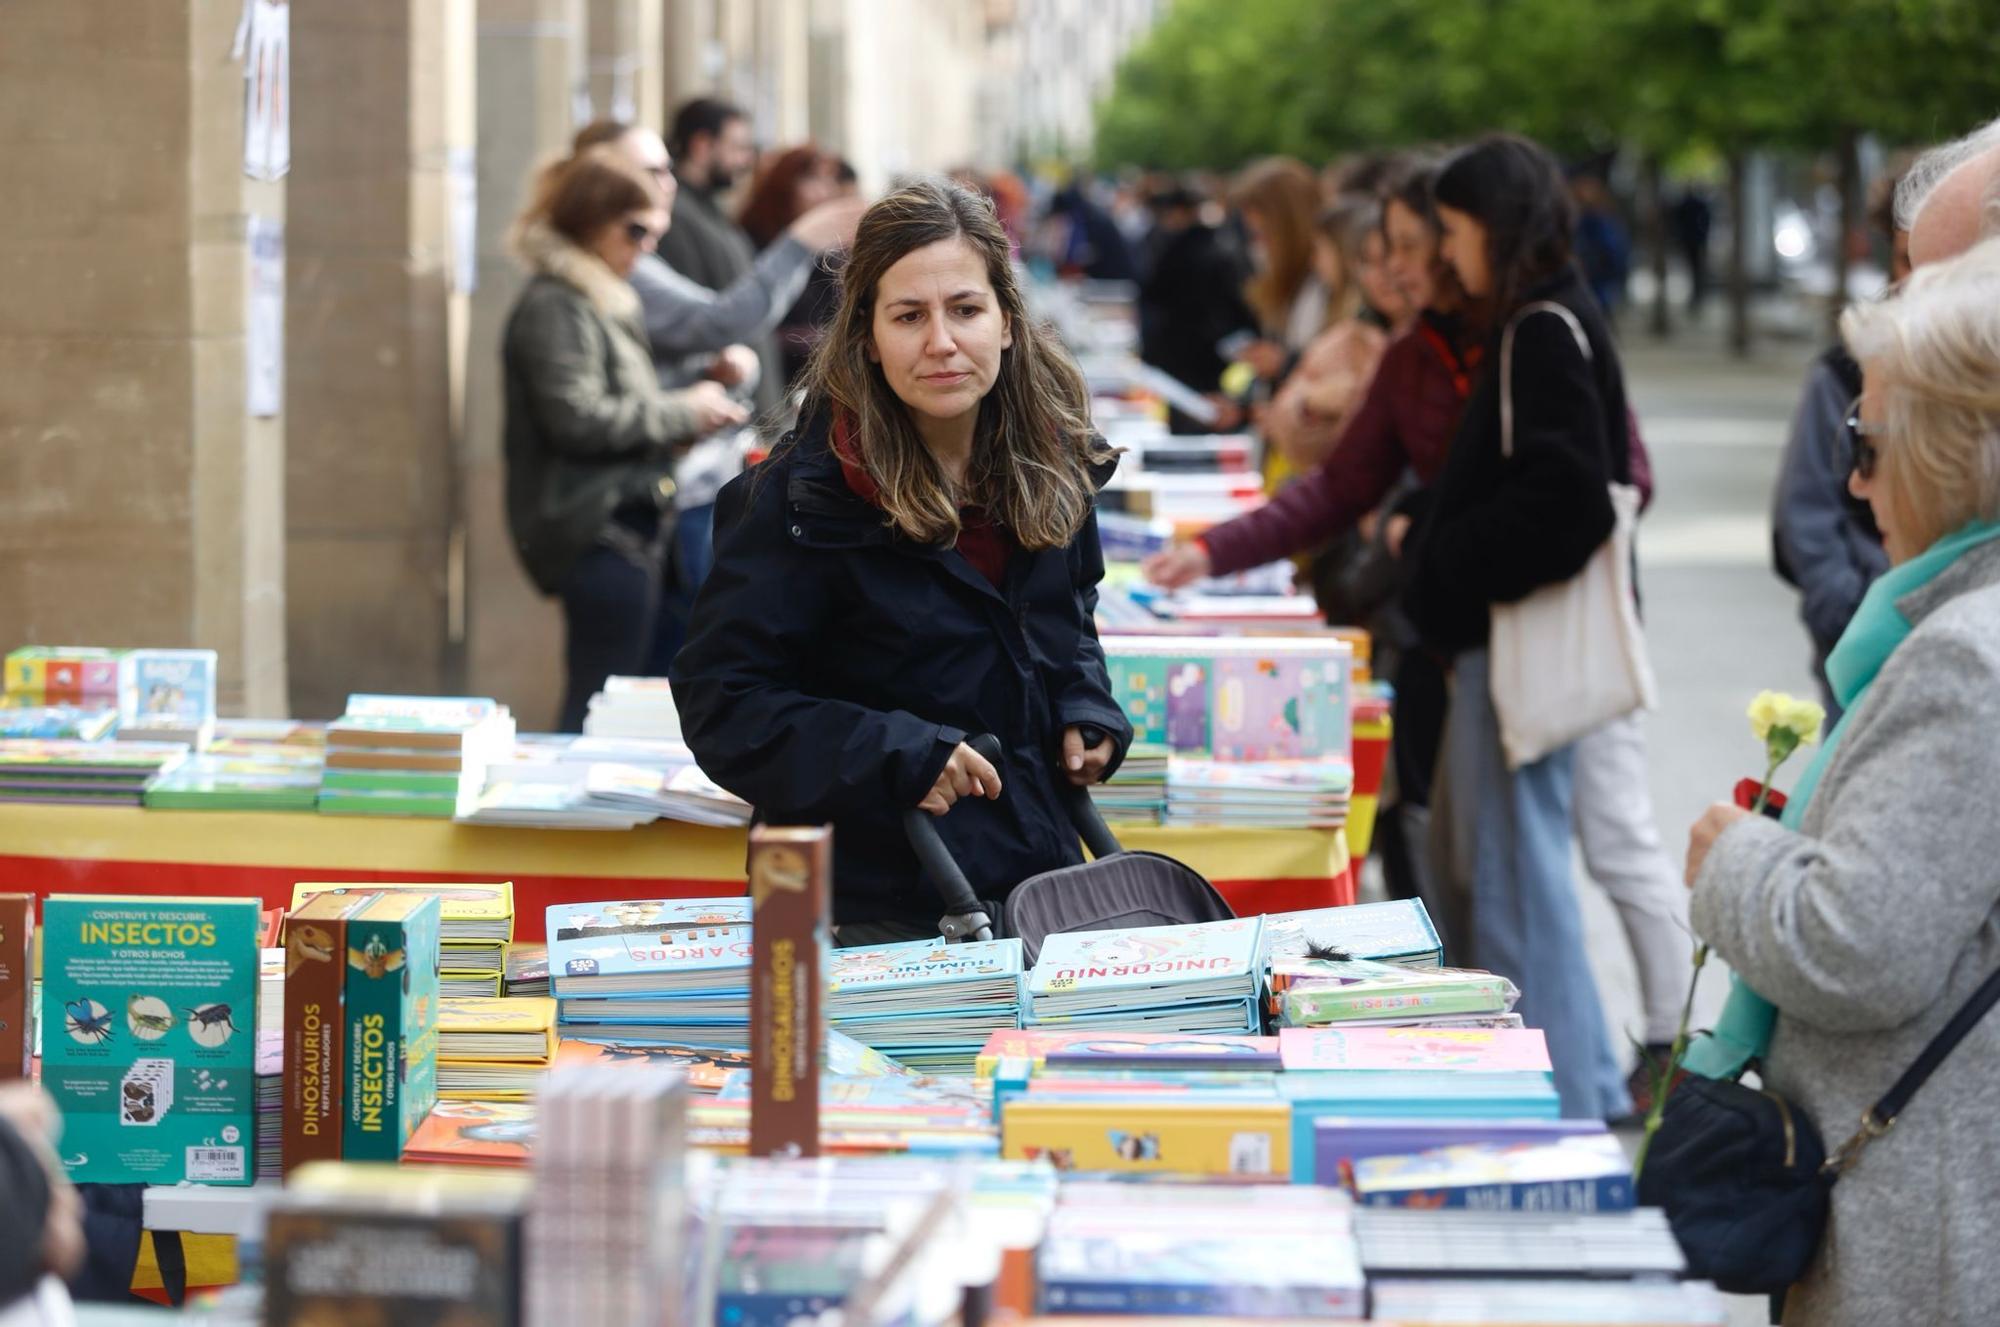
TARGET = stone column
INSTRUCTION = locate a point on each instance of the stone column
(625, 62)
(528, 53)
(139, 502)
(380, 123)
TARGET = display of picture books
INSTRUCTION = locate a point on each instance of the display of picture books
(112, 773)
(1161, 978)
(1236, 698)
(1586, 1173)
(932, 1004)
(1399, 931)
(474, 1133)
(476, 920)
(62, 675)
(494, 1047)
(167, 696)
(1415, 1049)
(213, 782)
(412, 755)
(642, 947)
(1136, 794)
(1259, 794)
(1313, 991)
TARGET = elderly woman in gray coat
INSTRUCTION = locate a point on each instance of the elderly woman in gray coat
(1871, 915)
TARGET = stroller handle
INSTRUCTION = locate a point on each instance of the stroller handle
(965, 917)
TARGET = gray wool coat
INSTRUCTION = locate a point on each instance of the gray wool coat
(1868, 929)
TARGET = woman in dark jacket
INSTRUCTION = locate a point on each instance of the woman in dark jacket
(590, 436)
(916, 565)
(1495, 531)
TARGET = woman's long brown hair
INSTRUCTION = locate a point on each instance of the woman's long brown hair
(1284, 194)
(1032, 448)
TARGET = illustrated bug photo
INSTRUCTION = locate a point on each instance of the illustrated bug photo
(148, 1017)
(87, 1021)
(209, 1024)
(375, 958)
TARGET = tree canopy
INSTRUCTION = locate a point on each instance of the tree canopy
(1218, 82)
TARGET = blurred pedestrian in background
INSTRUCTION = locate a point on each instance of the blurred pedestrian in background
(789, 185)
(1191, 299)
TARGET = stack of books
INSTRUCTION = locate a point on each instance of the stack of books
(493, 1049)
(609, 1203)
(1398, 1245)
(1276, 794)
(1196, 978)
(1137, 793)
(871, 1116)
(270, 1162)
(1210, 1250)
(1582, 1173)
(640, 707)
(86, 676)
(1340, 1143)
(1241, 699)
(1399, 931)
(475, 922)
(212, 782)
(412, 755)
(474, 1133)
(1506, 1302)
(602, 783)
(662, 970)
(110, 773)
(930, 1005)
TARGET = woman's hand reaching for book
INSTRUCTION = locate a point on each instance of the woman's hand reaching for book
(1183, 564)
(966, 774)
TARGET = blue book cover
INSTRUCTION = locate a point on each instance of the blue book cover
(643, 944)
(1082, 963)
(167, 688)
(922, 964)
(1375, 1094)
(1583, 1174)
(1340, 1142)
(1399, 931)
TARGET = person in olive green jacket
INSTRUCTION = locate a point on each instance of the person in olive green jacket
(590, 435)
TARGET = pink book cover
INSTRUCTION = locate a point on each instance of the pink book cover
(1277, 708)
(1480, 1049)
(100, 677)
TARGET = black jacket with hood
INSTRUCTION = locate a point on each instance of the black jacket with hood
(833, 665)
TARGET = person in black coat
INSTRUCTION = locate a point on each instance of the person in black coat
(1493, 531)
(917, 564)
(1191, 299)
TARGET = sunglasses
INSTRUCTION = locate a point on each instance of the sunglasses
(639, 232)
(1865, 456)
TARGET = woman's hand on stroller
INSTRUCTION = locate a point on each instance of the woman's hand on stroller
(1084, 765)
(966, 774)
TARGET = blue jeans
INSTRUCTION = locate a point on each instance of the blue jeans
(1508, 841)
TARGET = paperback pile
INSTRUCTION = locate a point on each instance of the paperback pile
(1258, 1251)
(662, 970)
(1274, 794)
(602, 783)
(1137, 793)
(412, 755)
(493, 1049)
(475, 922)
(605, 1223)
(930, 1005)
(249, 765)
(1196, 978)
(270, 1102)
(634, 707)
(1360, 992)
(113, 773)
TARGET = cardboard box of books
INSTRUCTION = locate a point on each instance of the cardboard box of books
(148, 1036)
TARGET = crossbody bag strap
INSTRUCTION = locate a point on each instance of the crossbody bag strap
(1507, 362)
(1877, 1119)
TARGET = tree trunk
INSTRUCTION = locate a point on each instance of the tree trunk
(1654, 185)
(1739, 254)
(1850, 220)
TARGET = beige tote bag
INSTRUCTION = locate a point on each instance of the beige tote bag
(1570, 657)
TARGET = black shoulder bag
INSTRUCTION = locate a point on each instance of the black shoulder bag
(1745, 1179)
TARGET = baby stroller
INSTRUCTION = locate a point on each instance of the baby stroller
(1114, 891)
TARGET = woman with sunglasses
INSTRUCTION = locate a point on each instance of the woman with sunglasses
(590, 435)
(1867, 916)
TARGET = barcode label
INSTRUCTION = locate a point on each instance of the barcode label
(215, 1163)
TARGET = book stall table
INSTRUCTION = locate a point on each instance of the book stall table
(126, 850)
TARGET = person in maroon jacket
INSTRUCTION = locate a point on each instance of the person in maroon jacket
(1403, 427)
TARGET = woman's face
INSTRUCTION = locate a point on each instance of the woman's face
(619, 243)
(816, 186)
(1327, 266)
(1377, 286)
(939, 330)
(1411, 253)
(1873, 487)
(1463, 247)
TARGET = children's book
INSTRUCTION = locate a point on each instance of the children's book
(1035, 1045)
(1590, 1173)
(650, 946)
(71, 722)
(468, 914)
(1317, 991)
(1112, 971)
(1193, 1268)
(148, 1036)
(391, 1016)
(474, 1133)
(1155, 1132)
(1340, 1142)
(1407, 1049)
(517, 1030)
(314, 994)
(167, 689)
(17, 966)
(1398, 932)
(707, 1067)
